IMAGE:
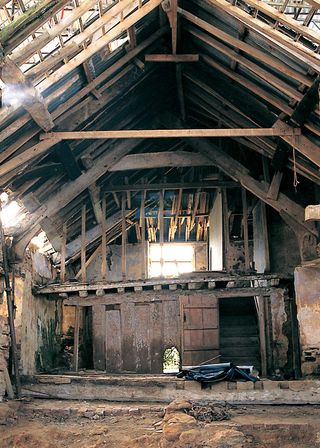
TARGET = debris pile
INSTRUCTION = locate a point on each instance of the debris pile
(209, 413)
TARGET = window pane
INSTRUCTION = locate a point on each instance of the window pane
(155, 269)
(184, 253)
(170, 270)
(184, 267)
(155, 252)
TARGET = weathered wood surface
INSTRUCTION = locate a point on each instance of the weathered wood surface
(171, 58)
(200, 328)
(171, 133)
(160, 296)
(132, 337)
(159, 160)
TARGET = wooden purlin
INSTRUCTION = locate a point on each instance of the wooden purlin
(30, 22)
(297, 49)
(237, 117)
(237, 171)
(245, 48)
(100, 43)
(60, 113)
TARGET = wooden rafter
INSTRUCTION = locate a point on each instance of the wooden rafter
(273, 35)
(28, 96)
(237, 171)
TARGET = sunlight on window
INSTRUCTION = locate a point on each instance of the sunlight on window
(11, 214)
(170, 260)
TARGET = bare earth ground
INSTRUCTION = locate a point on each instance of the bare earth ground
(60, 424)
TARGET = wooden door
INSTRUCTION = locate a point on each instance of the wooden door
(200, 329)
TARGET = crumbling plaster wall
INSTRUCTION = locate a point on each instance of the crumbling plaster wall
(307, 286)
(134, 262)
(36, 318)
(283, 245)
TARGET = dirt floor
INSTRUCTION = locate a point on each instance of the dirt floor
(60, 424)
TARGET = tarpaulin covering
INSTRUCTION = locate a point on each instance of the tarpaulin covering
(212, 373)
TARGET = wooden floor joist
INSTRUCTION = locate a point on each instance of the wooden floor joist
(171, 133)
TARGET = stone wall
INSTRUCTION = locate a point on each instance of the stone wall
(4, 353)
(307, 285)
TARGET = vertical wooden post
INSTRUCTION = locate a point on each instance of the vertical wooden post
(262, 335)
(83, 245)
(245, 229)
(161, 229)
(63, 253)
(226, 231)
(124, 237)
(103, 241)
(143, 234)
(76, 339)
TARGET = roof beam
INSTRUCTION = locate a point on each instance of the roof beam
(23, 54)
(86, 90)
(238, 172)
(79, 43)
(172, 186)
(28, 22)
(170, 133)
(171, 58)
(311, 151)
(240, 59)
(73, 247)
(274, 36)
(72, 189)
(285, 20)
(20, 89)
(232, 116)
(100, 43)
(153, 160)
(246, 48)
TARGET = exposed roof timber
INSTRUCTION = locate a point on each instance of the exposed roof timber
(171, 133)
(172, 186)
(170, 7)
(72, 189)
(82, 93)
(111, 20)
(285, 20)
(60, 114)
(94, 191)
(265, 75)
(100, 43)
(73, 247)
(25, 117)
(171, 58)
(26, 24)
(237, 171)
(246, 48)
(31, 99)
(236, 116)
(302, 143)
(276, 37)
(261, 92)
(41, 41)
(160, 160)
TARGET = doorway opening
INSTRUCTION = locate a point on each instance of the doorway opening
(171, 360)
